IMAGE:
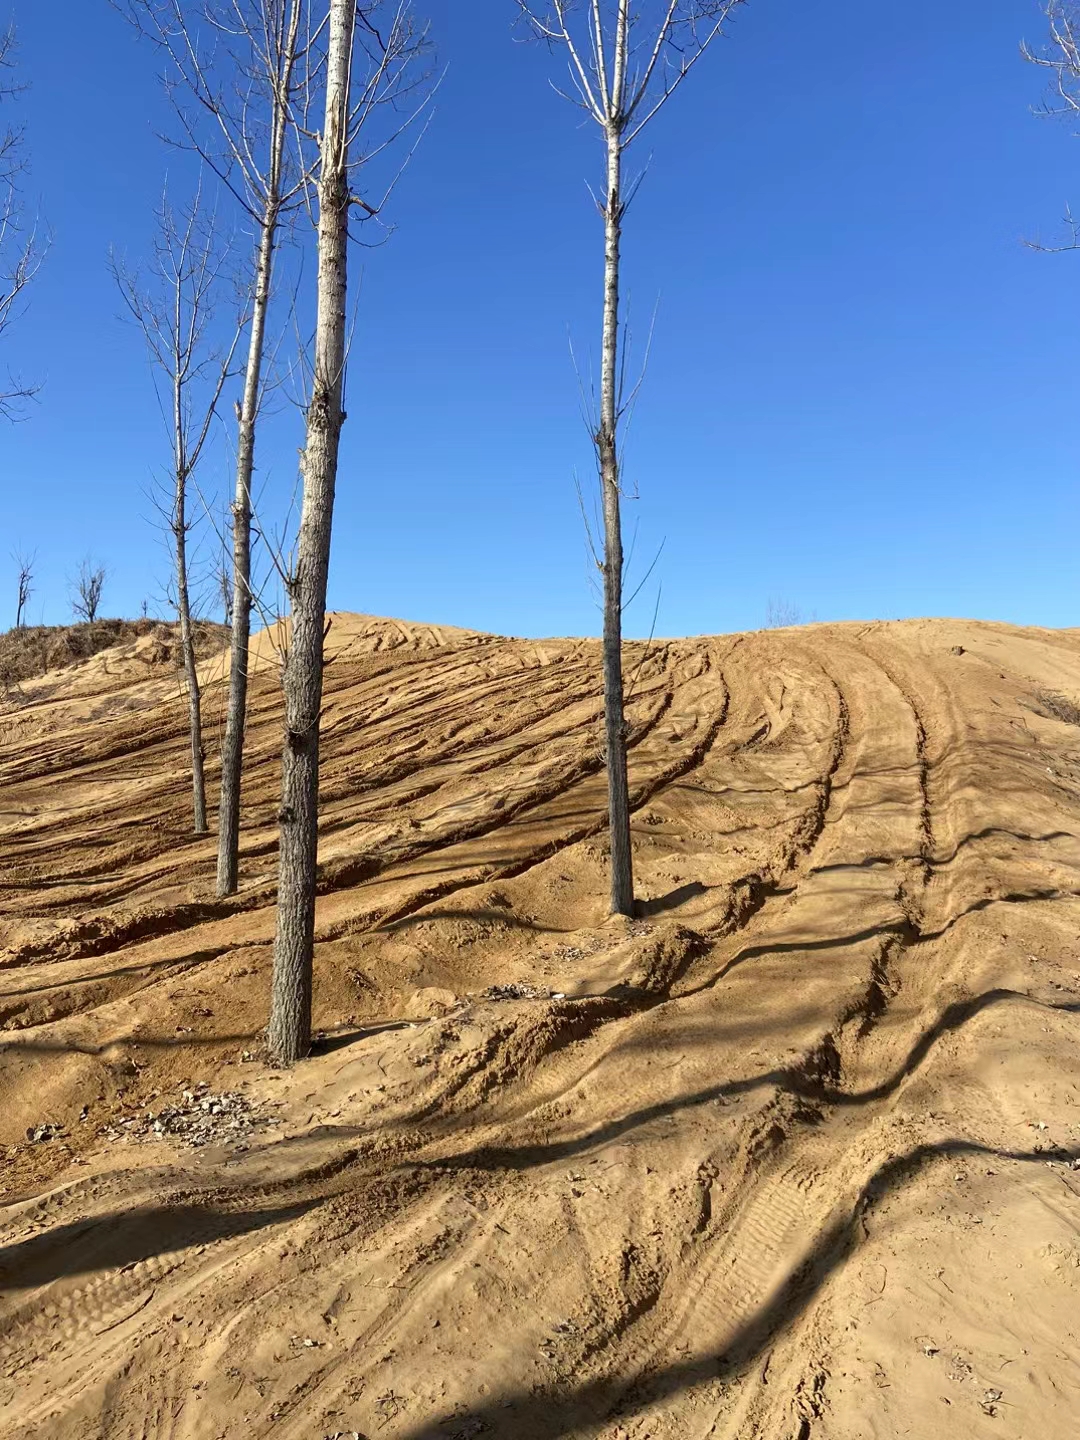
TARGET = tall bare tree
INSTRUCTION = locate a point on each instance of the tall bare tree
(175, 304)
(24, 576)
(87, 587)
(237, 72)
(20, 249)
(367, 66)
(626, 59)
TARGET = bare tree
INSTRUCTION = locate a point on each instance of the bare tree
(20, 249)
(780, 614)
(24, 575)
(237, 70)
(1062, 59)
(626, 59)
(366, 67)
(175, 306)
(86, 589)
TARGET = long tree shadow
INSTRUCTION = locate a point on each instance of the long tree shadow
(137, 970)
(939, 862)
(809, 1083)
(805, 1083)
(901, 928)
(549, 1412)
(150, 1042)
(126, 1237)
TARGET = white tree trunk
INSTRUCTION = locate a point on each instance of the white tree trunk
(232, 749)
(622, 877)
(187, 650)
(289, 1032)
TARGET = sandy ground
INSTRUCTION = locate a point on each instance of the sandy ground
(792, 1155)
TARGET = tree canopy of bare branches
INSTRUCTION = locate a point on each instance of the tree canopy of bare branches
(175, 303)
(87, 587)
(625, 60)
(245, 77)
(1061, 57)
(20, 247)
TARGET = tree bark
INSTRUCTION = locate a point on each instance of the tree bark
(289, 1032)
(622, 876)
(187, 649)
(232, 749)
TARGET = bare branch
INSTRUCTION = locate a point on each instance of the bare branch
(22, 248)
(1062, 60)
(24, 574)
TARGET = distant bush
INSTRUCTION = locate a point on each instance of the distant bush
(33, 650)
(779, 614)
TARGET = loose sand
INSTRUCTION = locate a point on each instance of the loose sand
(792, 1155)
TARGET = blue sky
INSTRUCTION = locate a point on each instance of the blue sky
(862, 386)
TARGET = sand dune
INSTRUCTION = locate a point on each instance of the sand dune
(793, 1155)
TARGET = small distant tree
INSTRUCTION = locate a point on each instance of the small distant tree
(779, 614)
(86, 590)
(24, 575)
(175, 305)
(20, 249)
(626, 59)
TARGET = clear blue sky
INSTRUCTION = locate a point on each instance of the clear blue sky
(863, 388)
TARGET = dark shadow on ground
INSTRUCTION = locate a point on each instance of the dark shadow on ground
(326, 1044)
(672, 900)
(548, 1412)
(149, 1042)
(505, 918)
(126, 1237)
(809, 1085)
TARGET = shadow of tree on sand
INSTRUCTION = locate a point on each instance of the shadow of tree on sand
(549, 1412)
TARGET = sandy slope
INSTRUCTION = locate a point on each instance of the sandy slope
(789, 1156)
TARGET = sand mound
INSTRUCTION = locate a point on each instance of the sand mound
(792, 1155)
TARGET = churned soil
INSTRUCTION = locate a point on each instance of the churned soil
(792, 1154)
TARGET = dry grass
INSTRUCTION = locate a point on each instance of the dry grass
(36, 649)
(1059, 707)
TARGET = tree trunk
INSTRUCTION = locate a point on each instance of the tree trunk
(232, 749)
(289, 1032)
(622, 876)
(187, 649)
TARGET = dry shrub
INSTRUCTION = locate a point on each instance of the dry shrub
(1058, 707)
(36, 649)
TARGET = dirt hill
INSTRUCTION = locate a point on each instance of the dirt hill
(793, 1155)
